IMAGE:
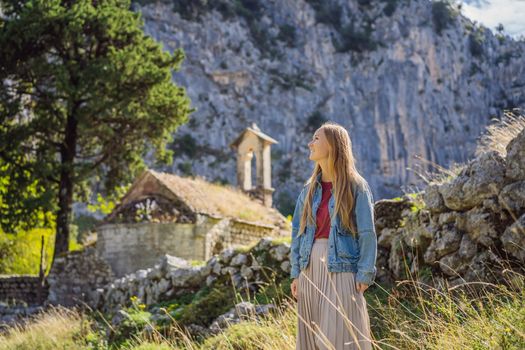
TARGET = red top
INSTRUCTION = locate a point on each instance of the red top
(323, 214)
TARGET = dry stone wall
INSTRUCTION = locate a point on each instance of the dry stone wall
(173, 276)
(469, 229)
(75, 276)
(29, 289)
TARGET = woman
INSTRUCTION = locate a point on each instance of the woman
(333, 256)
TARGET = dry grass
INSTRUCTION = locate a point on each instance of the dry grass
(496, 138)
(409, 317)
(225, 200)
(56, 328)
(268, 333)
(498, 135)
(439, 175)
(473, 316)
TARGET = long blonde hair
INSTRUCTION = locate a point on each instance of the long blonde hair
(343, 165)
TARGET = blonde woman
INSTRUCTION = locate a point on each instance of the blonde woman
(334, 247)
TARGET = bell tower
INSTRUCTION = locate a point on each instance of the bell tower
(253, 143)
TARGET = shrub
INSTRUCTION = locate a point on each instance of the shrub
(187, 145)
(442, 15)
(314, 121)
(326, 12)
(186, 168)
(8, 251)
(355, 40)
(287, 35)
(390, 7)
(475, 44)
(131, 327)
(205, 309)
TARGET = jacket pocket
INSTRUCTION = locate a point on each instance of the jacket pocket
(347, 246)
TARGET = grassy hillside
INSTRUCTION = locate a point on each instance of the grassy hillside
(20, 253)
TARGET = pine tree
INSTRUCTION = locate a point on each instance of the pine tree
(85, 94)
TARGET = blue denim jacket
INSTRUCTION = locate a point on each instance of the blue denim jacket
(345, 253)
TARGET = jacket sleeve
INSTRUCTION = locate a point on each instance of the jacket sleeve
(295, 246)
(366, 269)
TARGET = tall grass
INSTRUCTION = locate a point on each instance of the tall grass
(57, 328)
(470, 316)
(411, 315)
(498, 135)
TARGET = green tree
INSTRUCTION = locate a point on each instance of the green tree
(85, 95)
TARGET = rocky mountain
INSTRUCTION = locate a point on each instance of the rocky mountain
(406, 78)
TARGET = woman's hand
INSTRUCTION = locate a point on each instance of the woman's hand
(293, 286)
(361, 287)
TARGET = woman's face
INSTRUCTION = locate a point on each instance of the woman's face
(318, 146)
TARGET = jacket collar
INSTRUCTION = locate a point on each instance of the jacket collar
(318, 178)
(318, 181)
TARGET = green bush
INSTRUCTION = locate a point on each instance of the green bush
(326, 12)
(85, 224)
(186, 168)
(285, 202)
(314, 121)
(476, 44)
(8, 252)
(390, 7)
(358, 40)
(442, 15)
(130, 328)
(186, 145)
(287, 35)
(274, 293)
(208, 307)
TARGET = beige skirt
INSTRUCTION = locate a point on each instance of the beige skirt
(332, 314)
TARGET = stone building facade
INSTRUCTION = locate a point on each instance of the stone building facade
(191, 218)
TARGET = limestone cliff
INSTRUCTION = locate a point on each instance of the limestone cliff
(405, 77)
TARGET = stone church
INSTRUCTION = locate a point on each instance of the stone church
(190, 217)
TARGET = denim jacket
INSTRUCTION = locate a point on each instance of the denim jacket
(345, 253)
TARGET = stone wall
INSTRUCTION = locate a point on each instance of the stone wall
(243, 232)
(130, 247)
(470, 228)
(172, 276)
(75, 276)
(28, 289)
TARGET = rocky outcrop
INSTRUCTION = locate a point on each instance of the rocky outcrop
(467, 229)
